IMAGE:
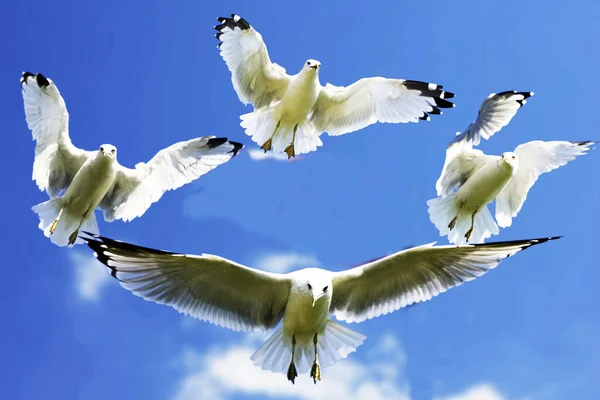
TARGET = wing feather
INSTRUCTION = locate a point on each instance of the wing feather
(134, 190)
(255, 78)
(535, 158)
(57, 160)
(495, 113)
(341, 110)
(207, 287)
(413, 276)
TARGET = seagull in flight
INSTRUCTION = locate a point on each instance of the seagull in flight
(234, 296)
(463, 215)
(90, 179)
(292, 111)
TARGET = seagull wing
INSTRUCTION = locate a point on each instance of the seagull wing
(255, 78)
(535, 158)
(134, 190)
(494, 114)
(413, 276)
(206, 287)
(341, 110)
(57, 160)
(461, 162)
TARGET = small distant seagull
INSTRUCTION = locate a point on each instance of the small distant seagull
(292, 111)
(91, 179)
(237, 297)
(463, 215)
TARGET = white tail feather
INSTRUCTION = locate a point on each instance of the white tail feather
(260, 125)
(334, 344)
(442, 211)
(47, 213)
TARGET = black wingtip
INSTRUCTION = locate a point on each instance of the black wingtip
(24, 76)
(234, 22)
(585, 143)
(41, 80)
(216, 142)
(236, 148)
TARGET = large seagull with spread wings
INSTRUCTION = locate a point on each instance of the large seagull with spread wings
(91, 179)
(241, 298)
(292, 111)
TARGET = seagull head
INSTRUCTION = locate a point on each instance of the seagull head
(312, 65)
(318, 288)
(509, 158)
(108, 150)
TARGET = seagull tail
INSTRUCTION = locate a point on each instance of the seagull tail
(443, 210)
(261, 124)
(333, 344)
(67, 224)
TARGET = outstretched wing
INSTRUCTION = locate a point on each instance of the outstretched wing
(461, 162)
(494, 114)
(341, 110)
(535, 158)
(206, 287)
(56, 159)
(134, 190)
(255, 78)
(413, 276)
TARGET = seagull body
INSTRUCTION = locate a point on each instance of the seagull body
(463, 215)
(237, 297)
(91, 179)
(292, 111)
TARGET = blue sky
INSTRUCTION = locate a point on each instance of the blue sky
(143, 75)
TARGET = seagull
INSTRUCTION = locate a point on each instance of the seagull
(90, 179)
(463, 214)
(292, 111)
(234, 296)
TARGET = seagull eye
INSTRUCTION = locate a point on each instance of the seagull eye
(101, 148)
(513, 157)
(309, 286)
(325, 288)
(113, 151)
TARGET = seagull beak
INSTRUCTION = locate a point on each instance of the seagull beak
(315, 67)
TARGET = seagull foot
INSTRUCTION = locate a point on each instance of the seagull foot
(290, 151)
(469, 233)
(452, 223)
(315, 372)
(73, 237)
(268, 145)
(292, 373)
(53, 226)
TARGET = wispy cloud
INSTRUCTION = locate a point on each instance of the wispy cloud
(90, 275)
(260, 155)
(284, 262)
(482, 391)
(223, 373)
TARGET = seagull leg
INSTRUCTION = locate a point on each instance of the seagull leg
(290, 149)
(268, 145)
(315, 371)
(73, 236)
(54, 223)
(292, 373)
(470, 231)
(452, 223)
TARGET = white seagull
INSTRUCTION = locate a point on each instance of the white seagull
(292, 111)
(241, 298)
(91, 179)
(463, 214)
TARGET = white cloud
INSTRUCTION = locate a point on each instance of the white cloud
(222, 373)
(260, 155)
(482, 391)
(284, 262)
(90, 275)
